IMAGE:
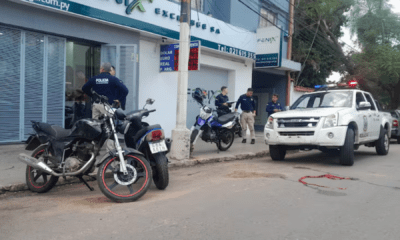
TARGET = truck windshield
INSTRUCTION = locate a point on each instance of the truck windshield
(334, 99)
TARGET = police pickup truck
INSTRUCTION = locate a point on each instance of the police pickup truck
(333, 119)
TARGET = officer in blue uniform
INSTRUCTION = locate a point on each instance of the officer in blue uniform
(248, 106)
(274, 106)
(107, 85)
(123, 101)
(221, 102)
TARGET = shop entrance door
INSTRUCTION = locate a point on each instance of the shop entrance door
(262, 101)
(124, 58)
(82, 63)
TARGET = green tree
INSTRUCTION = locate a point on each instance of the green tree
(378, 65)
(320, 20)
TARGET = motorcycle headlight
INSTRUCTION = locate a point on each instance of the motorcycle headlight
(270, 123)
(331, 121)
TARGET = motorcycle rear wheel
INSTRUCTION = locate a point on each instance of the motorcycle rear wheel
(36, 180)
(124, 188)
(160, 171)
(225, 145)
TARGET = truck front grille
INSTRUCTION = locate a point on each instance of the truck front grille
(298, 122)
(309, 133)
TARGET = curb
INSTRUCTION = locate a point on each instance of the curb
(204, 160)
(173, 164)
(19, 187)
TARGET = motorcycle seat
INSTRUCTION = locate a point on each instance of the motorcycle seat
(53, 130)
(144, 130)
(226, 118)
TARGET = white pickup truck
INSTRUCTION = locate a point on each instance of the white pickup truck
(334, 120)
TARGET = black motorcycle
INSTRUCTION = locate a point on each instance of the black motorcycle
(227, 110)
(123, 174)
(149, 140)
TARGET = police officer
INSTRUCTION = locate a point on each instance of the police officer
(107, 85)
(221, 102)
(248, 106)
(274, 106)
(123, 101)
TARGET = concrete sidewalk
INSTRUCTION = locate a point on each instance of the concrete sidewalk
(12, 171)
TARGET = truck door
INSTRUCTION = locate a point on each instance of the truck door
(362, 120)
(374, 118)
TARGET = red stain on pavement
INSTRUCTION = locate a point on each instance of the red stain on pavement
(329, 176)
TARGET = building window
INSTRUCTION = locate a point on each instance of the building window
(196, 4)
(266, 14)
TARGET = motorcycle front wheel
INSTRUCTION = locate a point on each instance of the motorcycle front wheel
(225, 140)
(124, 188)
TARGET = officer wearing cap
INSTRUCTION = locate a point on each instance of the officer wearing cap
(274, 106)
(107, 85)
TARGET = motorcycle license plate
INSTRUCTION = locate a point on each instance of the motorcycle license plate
(156, 147)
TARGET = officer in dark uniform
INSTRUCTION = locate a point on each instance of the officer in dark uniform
(107, 85)
(248, 106)
(123, 101)
(274, 106)
(221, 102)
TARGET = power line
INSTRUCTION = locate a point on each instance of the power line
(262, 16)
(312, 43)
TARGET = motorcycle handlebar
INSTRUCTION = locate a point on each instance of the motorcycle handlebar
(102, 98)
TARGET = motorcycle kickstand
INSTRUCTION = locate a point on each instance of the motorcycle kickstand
(86, 183)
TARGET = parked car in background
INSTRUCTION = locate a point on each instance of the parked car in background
(395, 124)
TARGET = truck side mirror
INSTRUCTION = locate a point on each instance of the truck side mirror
(364, 106)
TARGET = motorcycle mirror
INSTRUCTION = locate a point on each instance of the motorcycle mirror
(150, 101)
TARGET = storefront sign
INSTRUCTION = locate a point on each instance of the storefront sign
(193, 23)
(140, 15)
(169, 57)
(269, 47)
(132, 5)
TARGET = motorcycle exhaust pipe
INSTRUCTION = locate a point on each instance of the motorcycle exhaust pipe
(35, 163)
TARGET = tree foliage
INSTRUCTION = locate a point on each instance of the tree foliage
(378, 65)
(322, 20)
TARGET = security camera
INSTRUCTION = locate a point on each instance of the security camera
(163, 39)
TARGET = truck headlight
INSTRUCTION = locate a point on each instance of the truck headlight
(270, 123)
(331, 121)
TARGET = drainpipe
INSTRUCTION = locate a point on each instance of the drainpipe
(289, 50)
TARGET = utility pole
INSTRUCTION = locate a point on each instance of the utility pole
(289, 51)
(180, 149)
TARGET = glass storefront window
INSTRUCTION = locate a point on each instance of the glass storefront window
(83, 62)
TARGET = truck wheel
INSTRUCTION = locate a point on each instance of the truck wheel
(347, 151)
(398, 140)
(382, 145)
(277, 153)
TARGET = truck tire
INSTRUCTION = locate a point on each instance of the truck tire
(383, 143)
(347, 151)
(277, 153)
(398, 140)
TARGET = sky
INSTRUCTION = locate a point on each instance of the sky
(335, 76)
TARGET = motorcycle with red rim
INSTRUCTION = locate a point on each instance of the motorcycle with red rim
(124, 175)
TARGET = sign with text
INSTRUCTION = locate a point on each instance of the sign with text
(169, 57)
(269, 47)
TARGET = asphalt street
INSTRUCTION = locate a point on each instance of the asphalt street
(249, 199)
